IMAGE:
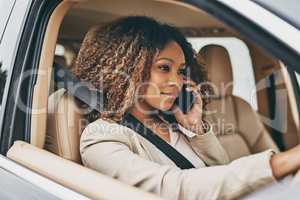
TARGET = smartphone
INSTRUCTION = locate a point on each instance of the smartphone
(184, 101)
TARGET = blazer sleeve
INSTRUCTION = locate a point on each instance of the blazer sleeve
(109, 151)
(207, 147)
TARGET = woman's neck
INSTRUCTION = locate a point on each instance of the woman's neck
(143, 112)
(149, 117)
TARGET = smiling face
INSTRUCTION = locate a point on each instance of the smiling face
(166, 79)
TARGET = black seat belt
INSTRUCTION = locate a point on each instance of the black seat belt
(273, 102)
(131, 122)
(87, 94)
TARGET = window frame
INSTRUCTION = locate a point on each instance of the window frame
(8, 50)
(27, 55)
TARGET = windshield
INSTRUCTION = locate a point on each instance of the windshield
(287, 9)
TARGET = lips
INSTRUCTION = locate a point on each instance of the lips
(171, 95)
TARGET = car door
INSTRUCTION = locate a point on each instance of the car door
(17, 182)
(25, 48)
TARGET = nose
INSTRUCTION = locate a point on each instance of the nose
(175, 80)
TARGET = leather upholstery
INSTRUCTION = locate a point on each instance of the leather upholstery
(219, 69)
(236, 124)
(65, 123)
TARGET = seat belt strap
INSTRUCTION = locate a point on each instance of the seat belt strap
(131, 122)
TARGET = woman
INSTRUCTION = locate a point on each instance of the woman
(141, 65)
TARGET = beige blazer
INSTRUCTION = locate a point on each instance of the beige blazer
(121, 153)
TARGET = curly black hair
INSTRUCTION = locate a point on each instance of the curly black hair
(117, 57)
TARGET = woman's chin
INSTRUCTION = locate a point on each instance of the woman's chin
(166, 107)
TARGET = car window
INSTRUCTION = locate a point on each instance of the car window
(288, 10)
(243, 74)
(5, 10)
(11, 19)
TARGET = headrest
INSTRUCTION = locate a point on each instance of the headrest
(219, 69)
(81, 90)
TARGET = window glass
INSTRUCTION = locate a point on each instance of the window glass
(288, 10)
(243, 74)
(5, 9)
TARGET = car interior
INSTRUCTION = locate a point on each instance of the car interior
(55, 132)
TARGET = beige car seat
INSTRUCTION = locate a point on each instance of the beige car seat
(236, 124)
(65, 123)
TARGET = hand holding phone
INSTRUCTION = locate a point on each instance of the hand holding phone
(185, 99)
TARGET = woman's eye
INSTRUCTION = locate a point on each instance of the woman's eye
(164, 67)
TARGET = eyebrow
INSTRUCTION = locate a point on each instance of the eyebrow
(169, 59)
